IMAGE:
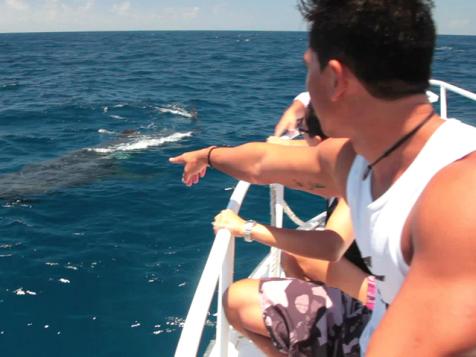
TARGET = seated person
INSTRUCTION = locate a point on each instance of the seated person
(309, 268)
(289, 120)
(316, 323)
(308, 125)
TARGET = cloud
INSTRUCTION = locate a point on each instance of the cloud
(179, 13)
(18, 5)
(190, 13)
(122, 8)
(48, 15)
(459, 24)
(88, 5)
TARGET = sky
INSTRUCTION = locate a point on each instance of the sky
(456, 17)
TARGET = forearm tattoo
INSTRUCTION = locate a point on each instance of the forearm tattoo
(309, 185)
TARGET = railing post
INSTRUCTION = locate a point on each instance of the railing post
(222, 251)
(443, 103)
(277, 214)
(226, 278)
(277, 205)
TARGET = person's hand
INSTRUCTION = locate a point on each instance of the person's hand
(287, 123)
(277, 140)
(289, 120)
(231, 221)
(288, 142)
(195, 165)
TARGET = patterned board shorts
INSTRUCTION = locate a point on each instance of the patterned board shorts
(311, 319)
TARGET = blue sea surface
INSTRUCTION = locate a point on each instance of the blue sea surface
(101, 245)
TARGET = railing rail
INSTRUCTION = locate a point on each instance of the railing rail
(219, 266)
(444, 87)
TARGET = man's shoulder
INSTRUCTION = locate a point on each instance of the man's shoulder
(448, 202)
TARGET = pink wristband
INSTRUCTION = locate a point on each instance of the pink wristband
(371, 292)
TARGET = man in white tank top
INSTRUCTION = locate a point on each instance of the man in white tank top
(407, 174)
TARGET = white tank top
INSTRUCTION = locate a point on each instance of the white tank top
(378, 224)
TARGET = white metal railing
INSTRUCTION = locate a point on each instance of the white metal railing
(219, 267)
(444, 87)
(276, 192)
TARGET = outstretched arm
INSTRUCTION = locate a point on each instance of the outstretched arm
(320, 170)
(434, 313)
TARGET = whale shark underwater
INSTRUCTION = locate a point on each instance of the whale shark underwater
(79, 167)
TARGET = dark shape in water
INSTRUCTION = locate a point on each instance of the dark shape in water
(130, 133)
(74, 169)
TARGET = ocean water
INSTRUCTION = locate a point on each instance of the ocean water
(101, 246)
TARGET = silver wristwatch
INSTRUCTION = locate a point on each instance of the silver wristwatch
(249, 225)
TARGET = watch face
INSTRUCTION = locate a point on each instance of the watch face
(247, 230)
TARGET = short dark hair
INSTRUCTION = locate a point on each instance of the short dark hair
(387, 44)
(313, 124)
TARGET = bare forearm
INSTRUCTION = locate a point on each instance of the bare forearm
(325, 245)
(263, 163)
(242, 162)
(349, 278)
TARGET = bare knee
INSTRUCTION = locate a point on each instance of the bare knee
(242, 306)
(292, 266)
(235, 299)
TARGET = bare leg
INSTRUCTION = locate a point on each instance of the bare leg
(291, 266)
(243, 311)
(341, 274)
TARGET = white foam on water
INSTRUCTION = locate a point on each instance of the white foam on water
(118, 117)
(142, 143)
(105, 109)
(9, 85)
(64, 281)
(21, 292)
(177, 110)
(105, 131)
(135, 324)
(444, 48)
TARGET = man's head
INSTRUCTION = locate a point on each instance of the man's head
(387, 44)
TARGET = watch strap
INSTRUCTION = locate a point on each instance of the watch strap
(248, 228)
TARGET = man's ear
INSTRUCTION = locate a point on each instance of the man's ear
(339, 75)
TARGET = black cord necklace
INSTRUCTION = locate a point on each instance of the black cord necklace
(397, 144)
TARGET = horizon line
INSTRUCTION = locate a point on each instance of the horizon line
(177, 30)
